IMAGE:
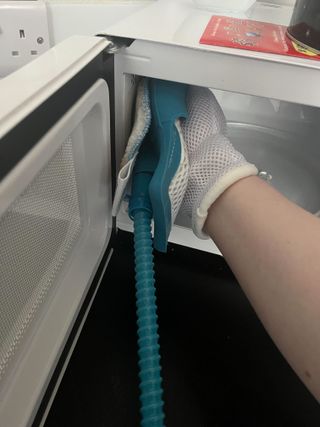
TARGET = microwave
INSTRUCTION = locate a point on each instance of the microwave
(65, 119)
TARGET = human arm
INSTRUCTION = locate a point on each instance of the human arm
(272, 245)
(273, 248)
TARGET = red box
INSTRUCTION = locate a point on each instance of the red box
(252, 35)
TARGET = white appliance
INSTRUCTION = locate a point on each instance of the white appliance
(64, 122)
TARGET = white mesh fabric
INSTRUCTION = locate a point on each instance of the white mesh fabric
(179, 183)
(214, 164)
(214, 159)
(37, 233)
(205, 117)
(141, 124)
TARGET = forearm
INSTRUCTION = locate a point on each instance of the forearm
(273, 247)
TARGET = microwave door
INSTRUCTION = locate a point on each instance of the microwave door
(55, 211)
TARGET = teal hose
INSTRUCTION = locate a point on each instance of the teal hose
(148, 347)
(156, 165)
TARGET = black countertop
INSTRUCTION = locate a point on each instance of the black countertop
(220, 368)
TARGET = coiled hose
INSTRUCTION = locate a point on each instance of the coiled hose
(148, 347)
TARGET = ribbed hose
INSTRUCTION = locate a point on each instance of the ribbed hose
(148, 348)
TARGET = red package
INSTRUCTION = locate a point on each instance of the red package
(252, 35)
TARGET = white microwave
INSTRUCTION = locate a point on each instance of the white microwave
(64, 122)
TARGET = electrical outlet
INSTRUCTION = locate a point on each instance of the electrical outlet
(24, 33)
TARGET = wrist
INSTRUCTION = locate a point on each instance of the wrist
(214, 190)
(230, 202)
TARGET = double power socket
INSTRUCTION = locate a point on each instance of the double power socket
(24, 33)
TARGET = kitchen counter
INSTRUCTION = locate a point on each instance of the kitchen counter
(220, 368)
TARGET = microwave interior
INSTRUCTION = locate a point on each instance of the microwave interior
(279, 137)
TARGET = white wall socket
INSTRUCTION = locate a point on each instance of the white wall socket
(24, 33)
